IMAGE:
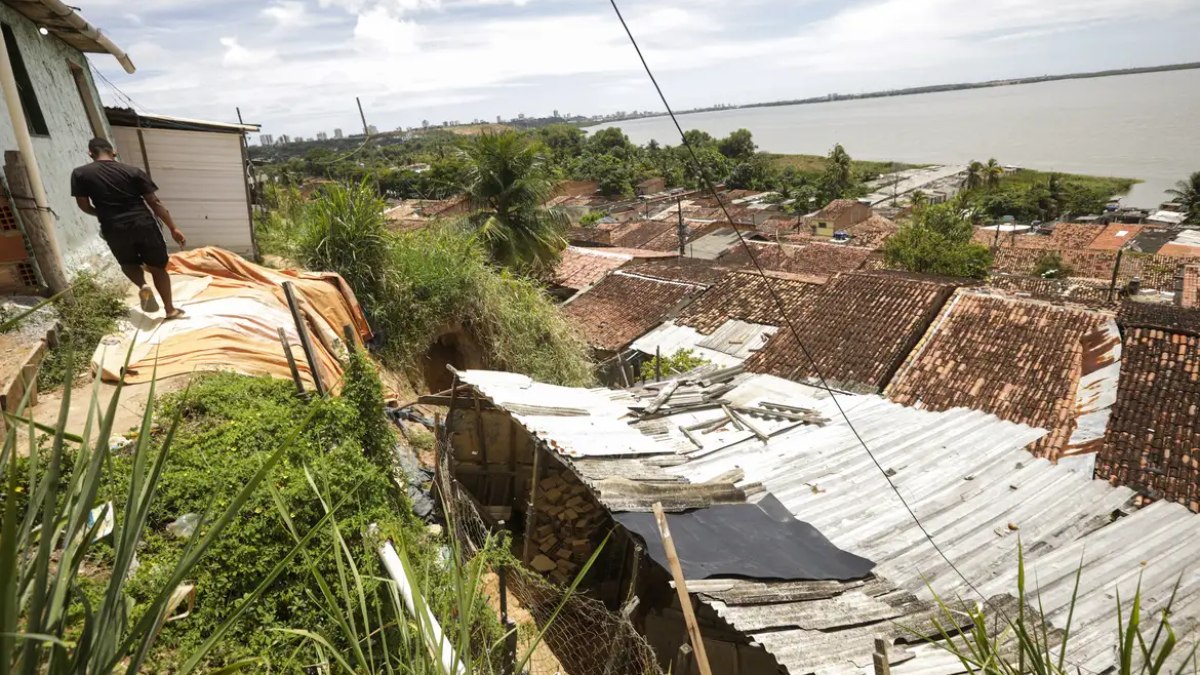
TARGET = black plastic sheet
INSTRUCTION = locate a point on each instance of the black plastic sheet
(749, 541)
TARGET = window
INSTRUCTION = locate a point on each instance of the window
(33, 111)
(95, 120)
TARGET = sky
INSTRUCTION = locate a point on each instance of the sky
(295, 66)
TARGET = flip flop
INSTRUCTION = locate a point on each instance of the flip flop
(149, 302)
(177, 314)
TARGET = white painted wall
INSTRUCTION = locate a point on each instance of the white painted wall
(46, 58)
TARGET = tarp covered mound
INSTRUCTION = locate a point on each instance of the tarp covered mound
(234, 312)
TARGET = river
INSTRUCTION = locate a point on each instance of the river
(1143, 126)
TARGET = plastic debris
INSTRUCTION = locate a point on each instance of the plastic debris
(184, 526)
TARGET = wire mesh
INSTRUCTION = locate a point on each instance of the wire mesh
(584, 638)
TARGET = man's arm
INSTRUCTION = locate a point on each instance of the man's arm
(161, 211)
(85, 205)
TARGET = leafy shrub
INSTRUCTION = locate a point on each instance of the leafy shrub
(93, 313)
(682, 361)
(1051, 266)
(228, 422)
(937, 240)
(345, 232)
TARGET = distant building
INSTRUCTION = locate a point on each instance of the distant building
(284, 139)
(839, 214)
(322, 136)
(424, 124)
(372, 129)
(499, 120)
(266, 139)
(521, 116)
(337, 133)
(556, 114)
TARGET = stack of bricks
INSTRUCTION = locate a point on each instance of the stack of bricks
(567, 521)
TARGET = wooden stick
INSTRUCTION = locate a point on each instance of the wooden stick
(305, 342)
(531, 514)
(291, 359)
(880, 657)
(685, 600)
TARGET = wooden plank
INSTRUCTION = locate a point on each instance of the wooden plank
(305, 341)
(685, 600)
(531, 514)
(291, 359)
(663, 397)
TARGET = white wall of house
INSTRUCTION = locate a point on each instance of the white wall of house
(47, 60)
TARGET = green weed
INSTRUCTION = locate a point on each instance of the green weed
(96, 307)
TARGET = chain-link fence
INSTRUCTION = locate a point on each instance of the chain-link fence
(585, 638)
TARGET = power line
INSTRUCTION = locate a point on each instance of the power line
(708, 184)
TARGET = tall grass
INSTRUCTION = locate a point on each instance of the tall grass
(420, 285)
(991, 641)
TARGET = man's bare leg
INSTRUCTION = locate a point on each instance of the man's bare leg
(135, 274)
(162, 282)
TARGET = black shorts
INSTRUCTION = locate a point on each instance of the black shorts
(137, 241)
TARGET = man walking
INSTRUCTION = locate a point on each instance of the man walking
(123, 198)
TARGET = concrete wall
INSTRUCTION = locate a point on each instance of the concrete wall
(46, 58)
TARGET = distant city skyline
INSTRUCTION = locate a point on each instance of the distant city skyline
(414, 60)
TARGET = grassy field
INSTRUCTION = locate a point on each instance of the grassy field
(1111, 184)
(816, 164)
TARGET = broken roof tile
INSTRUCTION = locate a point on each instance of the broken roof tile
(1152, 443)
(747, 296)
(1020, 360)
(624, 306)
(858, 328)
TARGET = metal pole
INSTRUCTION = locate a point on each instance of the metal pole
(682, 229)
(1112, 286)
(362, 116)
(657, 364)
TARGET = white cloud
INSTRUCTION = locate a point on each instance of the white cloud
(238, 56)
(379, 33)
(288, 14)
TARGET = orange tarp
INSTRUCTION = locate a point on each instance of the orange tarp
(234, 312)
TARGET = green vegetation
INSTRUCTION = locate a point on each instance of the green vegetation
(682, 361)
(426, 283)
(999, 643)
(440, 164)
(1187, 193)
(1051, 266)
(1029, 195)
(507, 184)
(90, 313)
(937, 240)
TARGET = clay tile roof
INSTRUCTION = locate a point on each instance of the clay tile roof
(1066, 236)
(1017, 359)
(1087, 292)
(623, 306)
(581, 267)
(858, 328)
(1156, 271)
(688, 270)
(669, 239)
(638, 233)
(1115, 236)
(593, 235)
(1152, 443)
(834, 209)
(1180, 250)
(747, 296)
(872, 232)
(1189, 295)
(821, 259)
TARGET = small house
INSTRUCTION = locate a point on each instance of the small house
(201, 169)
(53, 110)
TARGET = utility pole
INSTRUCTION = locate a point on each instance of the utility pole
(363, 117)
(681, 228)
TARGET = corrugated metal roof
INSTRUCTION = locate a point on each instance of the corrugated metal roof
(964, 473)
(576, 422)
(670, 337)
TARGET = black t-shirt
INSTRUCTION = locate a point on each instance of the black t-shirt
(116, 190)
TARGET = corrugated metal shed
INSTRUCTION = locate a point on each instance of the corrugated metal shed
(965, 474)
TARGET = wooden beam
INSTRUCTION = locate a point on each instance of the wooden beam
(310, 354)
(531, 514)
(685, 599)
(291, 359)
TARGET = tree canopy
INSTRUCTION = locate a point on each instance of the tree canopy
(937, 240)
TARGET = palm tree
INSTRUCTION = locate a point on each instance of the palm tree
(992, 173)
(918, 199)
(508, 184)
(1187, 193)
(974, 177)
